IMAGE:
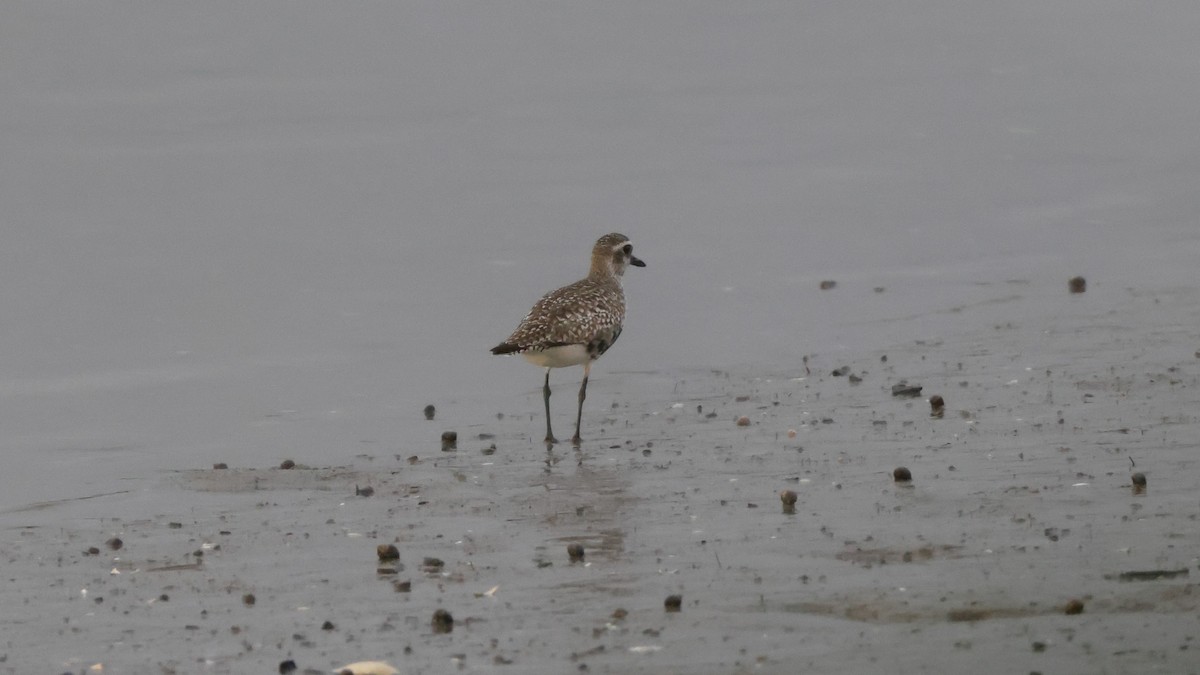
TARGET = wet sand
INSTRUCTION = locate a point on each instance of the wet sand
(1021, 503)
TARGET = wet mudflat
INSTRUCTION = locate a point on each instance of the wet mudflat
(1021, 539)
(250, 237)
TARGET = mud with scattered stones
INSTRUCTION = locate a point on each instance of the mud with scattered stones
(1019, 539)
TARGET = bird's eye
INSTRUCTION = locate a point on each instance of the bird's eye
(628, 249)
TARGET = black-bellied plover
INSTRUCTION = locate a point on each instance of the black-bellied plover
(575, 324)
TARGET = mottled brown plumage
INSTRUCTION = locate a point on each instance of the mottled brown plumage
(576, 324)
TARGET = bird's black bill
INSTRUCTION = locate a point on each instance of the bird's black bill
(635, 262)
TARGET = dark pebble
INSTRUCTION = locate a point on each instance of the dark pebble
(828, 284)
(174, 526)
(937, 406)
(840, 372)
(432, 565)
(115, 543)
(442, 621)
(287, 464)
(902, 475)
(490, 450)
(430, 411)
(905, 390)
(387, 552)
(743, 421)
(673, 603)
(328, 625)
(249, 600)
(1074, 607)
(449, 440)
(92, 550)
(220, 466)
(575, 552)
(1077, 285)
(1039, 647)
(1139, 479)
(286, 667)
(402, 586)
(364, 491)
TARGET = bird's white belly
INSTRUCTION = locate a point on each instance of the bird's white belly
(559, 357)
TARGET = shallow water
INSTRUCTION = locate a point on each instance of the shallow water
(276, 233)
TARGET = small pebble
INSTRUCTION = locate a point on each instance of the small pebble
(1074, 607)
(387, 552)
(673, 603)
(430, 411)
(828, 284)
(788, 498)
(1077, 285)
(249, 600)
(286, 667)
(905, 390)
(1139, 483)
(902, 475)
(791, 433)
(449, 440)
(442, 621)
(490, 450)
(575, 552)
(115, 543)
(220, 465)
(364, 491)
(402, 586)
(287, 464)
(937, 406)
(92, 550)
(743, 421)
(328, 625)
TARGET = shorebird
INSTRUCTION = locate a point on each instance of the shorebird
(575, 324)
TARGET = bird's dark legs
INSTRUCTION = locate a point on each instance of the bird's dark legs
(546, 397)
(587, 368)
